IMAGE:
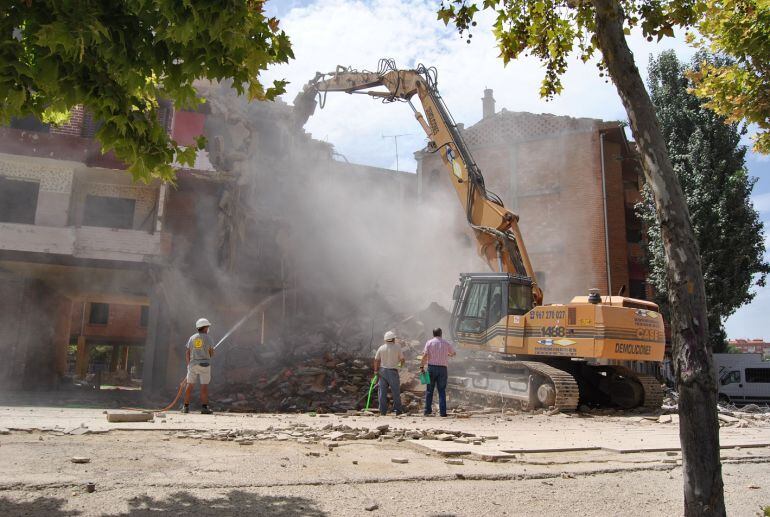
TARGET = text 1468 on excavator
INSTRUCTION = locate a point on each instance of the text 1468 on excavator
(519, 349)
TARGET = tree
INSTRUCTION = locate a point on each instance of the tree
(738, 89)
(552, 30)
(118, 59)
(709, 161)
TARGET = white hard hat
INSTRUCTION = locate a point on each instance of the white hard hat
(202, 322)
(390, 336)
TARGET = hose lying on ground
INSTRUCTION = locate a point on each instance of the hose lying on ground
(182, 386)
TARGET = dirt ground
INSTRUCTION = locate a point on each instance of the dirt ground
(168, 467)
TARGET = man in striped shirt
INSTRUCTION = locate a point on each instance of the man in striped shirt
(436, 355)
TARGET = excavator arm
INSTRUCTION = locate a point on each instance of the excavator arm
(497, 231)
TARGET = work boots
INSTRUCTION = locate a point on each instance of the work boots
(186, 408)
(206, 411)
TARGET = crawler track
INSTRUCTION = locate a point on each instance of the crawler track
(531, 374)
(567, 390)
(528, 376)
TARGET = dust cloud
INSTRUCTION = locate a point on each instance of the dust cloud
(350, 238)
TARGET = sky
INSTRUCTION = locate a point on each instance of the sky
(357, 33)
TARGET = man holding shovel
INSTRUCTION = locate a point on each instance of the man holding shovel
(386, 362)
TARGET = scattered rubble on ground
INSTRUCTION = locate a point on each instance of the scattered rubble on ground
(749, 415)
(330, 435)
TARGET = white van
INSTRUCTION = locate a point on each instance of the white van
(743, 378)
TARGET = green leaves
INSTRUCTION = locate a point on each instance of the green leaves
(709, 161)
(739, 90)
(119, 58)
(552, 30)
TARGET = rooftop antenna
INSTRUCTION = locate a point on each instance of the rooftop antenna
(395, 139)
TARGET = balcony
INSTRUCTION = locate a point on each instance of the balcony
(85, 242)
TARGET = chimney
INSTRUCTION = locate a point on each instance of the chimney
(488, 104)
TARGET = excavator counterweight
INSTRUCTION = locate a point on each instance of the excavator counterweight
(519, 349)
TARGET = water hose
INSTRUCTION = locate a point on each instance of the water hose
(182, 386)
(371, 389)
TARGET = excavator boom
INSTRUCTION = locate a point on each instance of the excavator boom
(500, 242)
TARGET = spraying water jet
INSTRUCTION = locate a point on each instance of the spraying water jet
(247, 316)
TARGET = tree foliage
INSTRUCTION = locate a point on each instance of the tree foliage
(709, 161)
(738, 89)
(119, 58)
(552, 30)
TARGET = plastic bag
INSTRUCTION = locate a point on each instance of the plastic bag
(424, 378)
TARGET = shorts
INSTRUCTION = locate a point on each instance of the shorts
(198, 373)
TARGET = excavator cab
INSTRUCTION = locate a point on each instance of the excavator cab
(482, 302)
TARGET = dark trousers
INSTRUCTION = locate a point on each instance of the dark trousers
(389, 378)
(438, 379)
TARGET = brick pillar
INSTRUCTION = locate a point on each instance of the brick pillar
(81, 361)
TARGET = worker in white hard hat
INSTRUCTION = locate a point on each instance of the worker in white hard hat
(387, 360)
(200, 350)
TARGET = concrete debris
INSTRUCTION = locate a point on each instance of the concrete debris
(329, 436)
(454, 461)
(327, 371)
(80, 459)
(90, 487)
(129, 416)
(370, 507)
(399, 460)
(727, 418)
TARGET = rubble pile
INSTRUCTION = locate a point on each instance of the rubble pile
(333, 382)
(319, 366)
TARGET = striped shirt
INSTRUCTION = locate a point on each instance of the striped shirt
(438, 350)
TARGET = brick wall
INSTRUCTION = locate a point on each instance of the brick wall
(553, 182)
(74, 126)
(123, 323)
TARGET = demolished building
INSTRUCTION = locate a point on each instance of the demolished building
(102, 275)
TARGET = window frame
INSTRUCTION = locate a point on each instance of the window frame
(91, 312)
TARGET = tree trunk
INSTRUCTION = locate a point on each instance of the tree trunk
(698, 424)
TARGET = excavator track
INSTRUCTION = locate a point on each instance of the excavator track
(652, 397)
(567, 390)
(564, 387)
(653, 392)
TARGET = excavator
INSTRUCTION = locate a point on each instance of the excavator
(536, 355)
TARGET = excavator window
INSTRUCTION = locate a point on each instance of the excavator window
(483, 306)
(519, 299)
(474, 315)
(495, 304)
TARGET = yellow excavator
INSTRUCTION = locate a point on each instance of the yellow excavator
(552, 356)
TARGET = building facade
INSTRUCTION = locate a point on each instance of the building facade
(99, 274)
(573, 183)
